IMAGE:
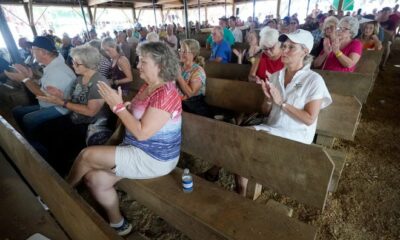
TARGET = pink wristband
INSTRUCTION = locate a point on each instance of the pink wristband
(118, 108)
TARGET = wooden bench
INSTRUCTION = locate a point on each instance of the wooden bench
(339, 120)
(22, 214)
(299, 171)
(76, 217)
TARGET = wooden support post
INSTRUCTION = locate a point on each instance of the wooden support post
(29, 14)
(95, 14)
(187, 27)
(340, 5)
(91, 19)
(278, 9)
(134, 12)
(8, 38)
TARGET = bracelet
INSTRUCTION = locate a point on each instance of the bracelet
(338, 54)
(65, 103)
(25, 80)
(118, 108)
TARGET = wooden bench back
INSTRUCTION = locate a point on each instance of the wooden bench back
(300, 171)
(201, 38)
(76, 217)
(340, 119)
(369, 62)
(227, 70)
(348, 84)
(343, 83)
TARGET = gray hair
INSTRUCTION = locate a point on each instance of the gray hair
(89, 56)
(329, 21)
(308, 59)
(152, 37)
(97, 44)
(164, 57)
(353, 23)
(268, 36)
(111, 43)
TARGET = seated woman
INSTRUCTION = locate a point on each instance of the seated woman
(369, 37)
(192, 80)
(294, 95)
(328, 34)
(85, 106)
(121, 73)
(270, 60)
(343, 52)
(151, 145)
(248, 56)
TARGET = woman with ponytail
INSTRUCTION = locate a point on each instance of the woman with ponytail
(192, 80)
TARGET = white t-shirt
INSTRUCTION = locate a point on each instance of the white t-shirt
(173, 40)
(237, 34)
(305, 86)
(59, 75)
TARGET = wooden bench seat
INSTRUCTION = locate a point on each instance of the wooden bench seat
(22, 214)
(74, 215)
(300, 171)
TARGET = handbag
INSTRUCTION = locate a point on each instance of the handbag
(98, 132)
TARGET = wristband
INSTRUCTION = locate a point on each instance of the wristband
(65, 103)
(25, 80)
(118, 108)
(338, 54)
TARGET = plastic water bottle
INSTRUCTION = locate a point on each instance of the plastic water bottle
(187, 181)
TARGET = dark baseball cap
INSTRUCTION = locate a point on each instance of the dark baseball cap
(44, 43)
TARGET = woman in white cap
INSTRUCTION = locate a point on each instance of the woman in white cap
(293, 95)
(270, 59)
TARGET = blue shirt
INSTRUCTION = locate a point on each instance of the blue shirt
(222, 50)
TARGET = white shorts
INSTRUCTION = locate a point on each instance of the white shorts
(133, 163)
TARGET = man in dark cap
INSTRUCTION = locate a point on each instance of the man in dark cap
(56, 76)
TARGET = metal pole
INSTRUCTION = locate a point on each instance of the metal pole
(198, 6)
(84, 17)
(155, 16)
(185, 6)
(225, 8)
(254, 9)
(8, 38)
(29, 13)
(308, 6)
(288, 11)
(278, 9)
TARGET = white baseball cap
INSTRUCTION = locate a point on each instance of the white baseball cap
(299, 36)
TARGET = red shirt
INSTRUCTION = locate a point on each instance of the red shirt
(266, 64)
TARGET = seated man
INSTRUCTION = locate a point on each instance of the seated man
(220, 48)
(56, 74)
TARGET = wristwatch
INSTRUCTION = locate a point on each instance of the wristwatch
(283, 105)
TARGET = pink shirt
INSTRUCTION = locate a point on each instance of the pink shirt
(333, 64)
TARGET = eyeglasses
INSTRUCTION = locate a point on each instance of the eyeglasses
(183, 51)
(342, 29)
(265, 49)
(76, 64)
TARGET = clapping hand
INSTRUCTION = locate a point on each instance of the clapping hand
(327, 45)
(21, 73)
(111, 96)
(53, 95)
(271, 92)
(335, 45)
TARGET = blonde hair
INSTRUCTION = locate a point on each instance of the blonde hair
(194, 47)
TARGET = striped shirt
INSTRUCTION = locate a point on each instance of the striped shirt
(165, 144)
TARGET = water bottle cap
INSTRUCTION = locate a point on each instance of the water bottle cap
(186, 171)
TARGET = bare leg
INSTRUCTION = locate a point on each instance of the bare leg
(91, 158)
(101, 184)
(241, 185)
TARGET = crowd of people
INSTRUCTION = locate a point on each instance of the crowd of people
(85, 87)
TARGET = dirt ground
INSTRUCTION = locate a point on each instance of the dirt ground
(366, 205)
